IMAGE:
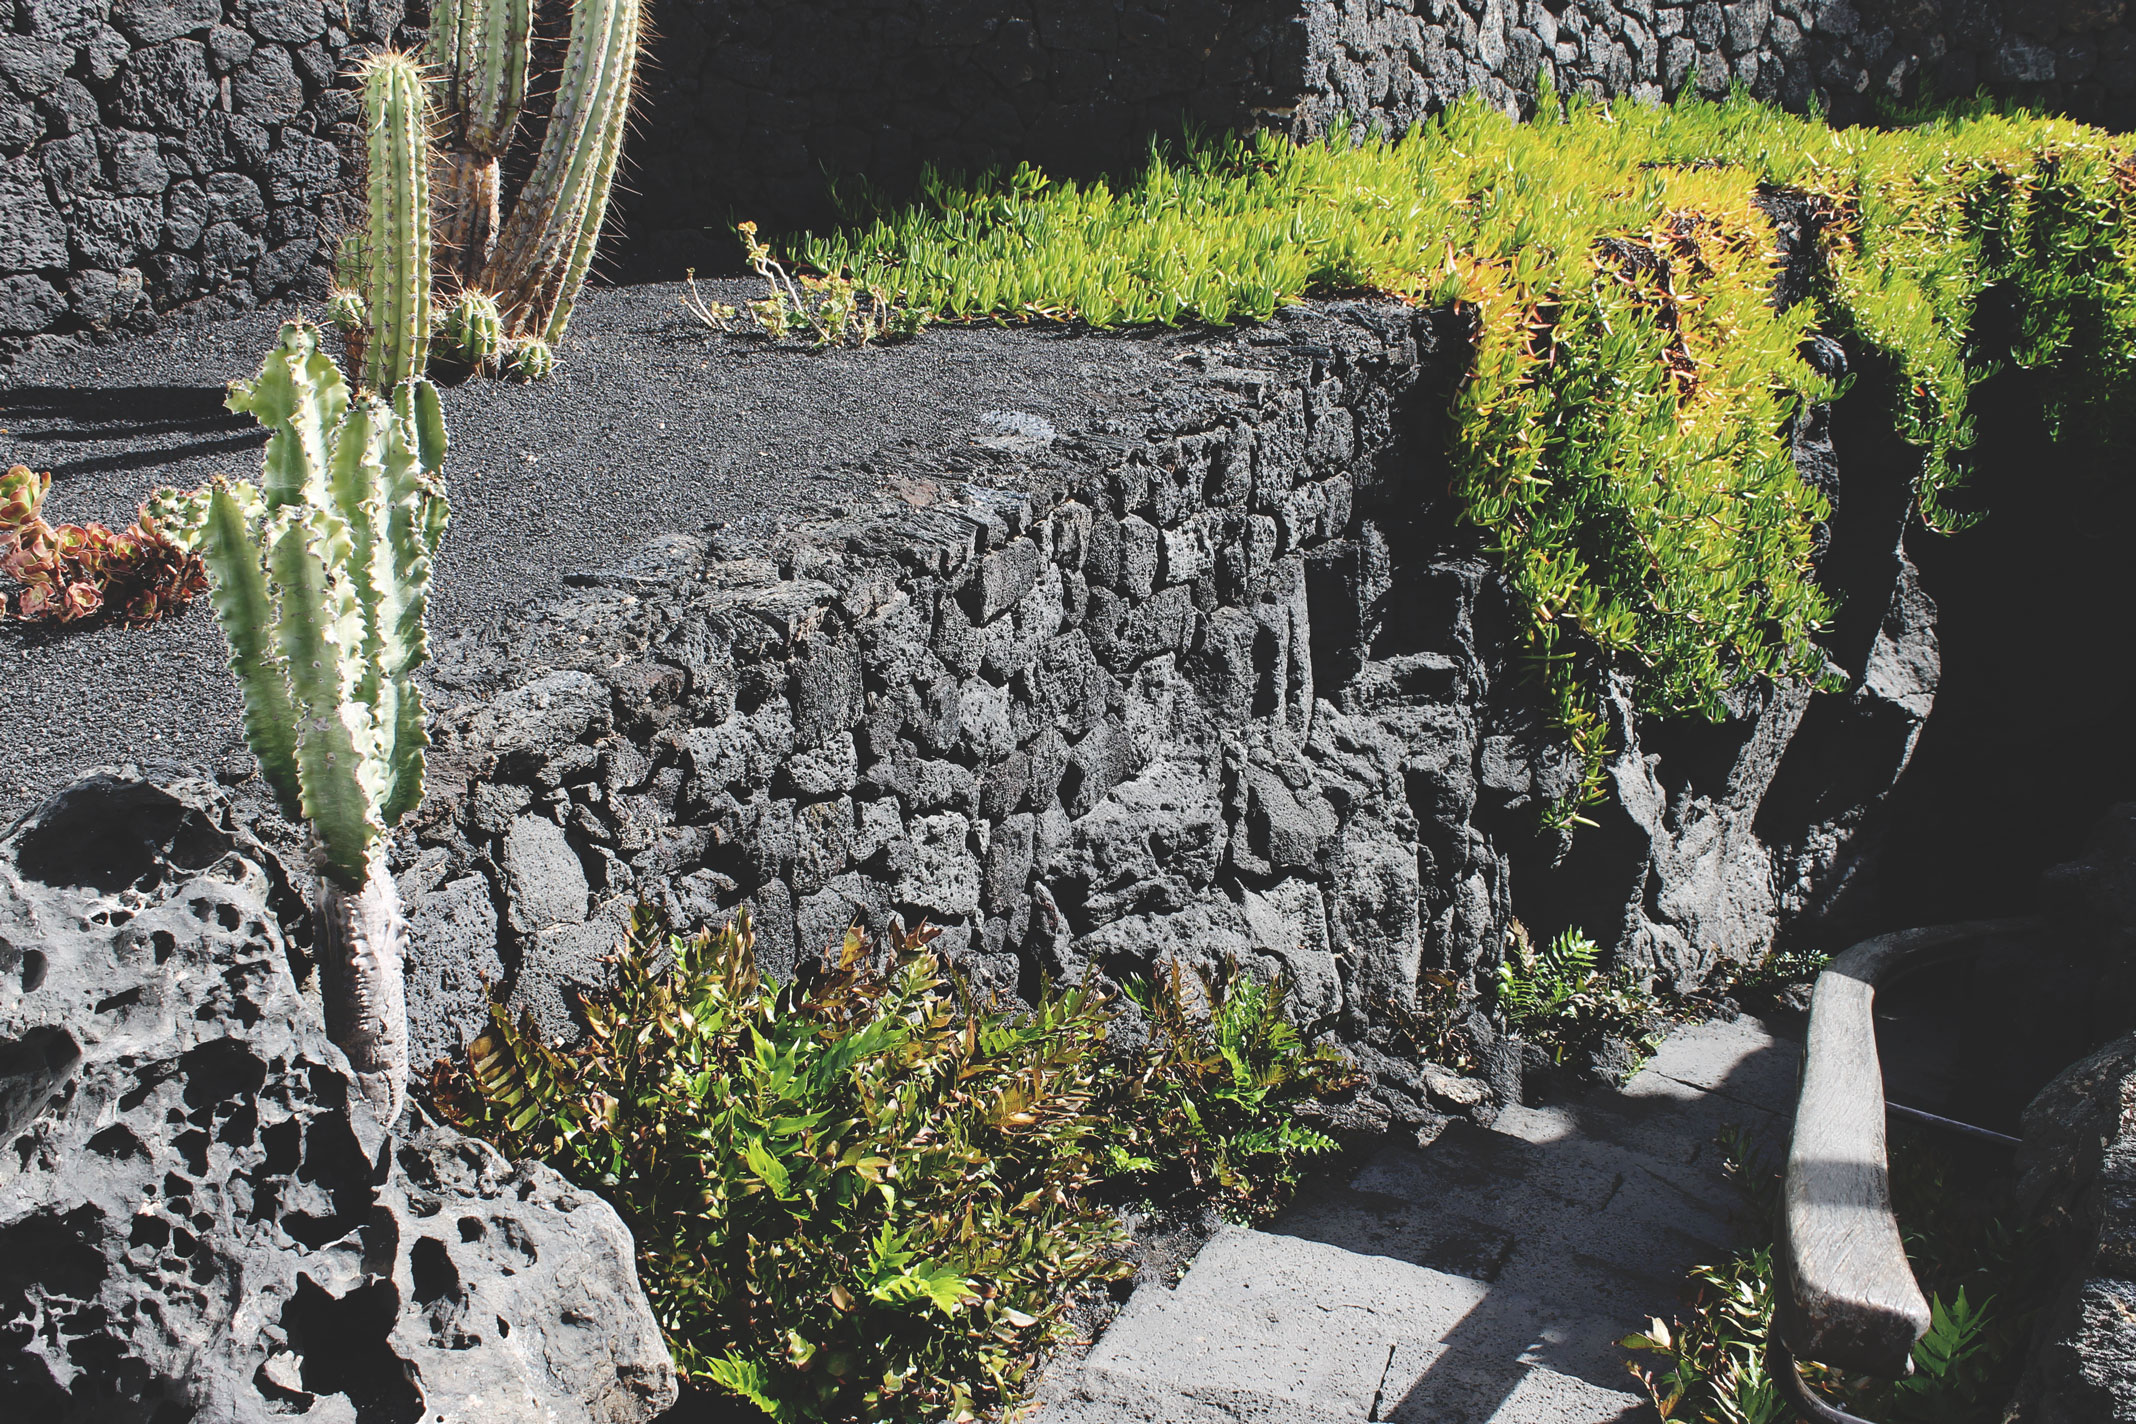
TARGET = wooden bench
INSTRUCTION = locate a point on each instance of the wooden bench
(1847, 1296)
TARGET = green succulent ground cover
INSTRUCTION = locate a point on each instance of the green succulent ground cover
(864, 1195)
(1623, 436)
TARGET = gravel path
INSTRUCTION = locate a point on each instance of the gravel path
(652, 425)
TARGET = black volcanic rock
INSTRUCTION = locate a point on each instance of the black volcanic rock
(198, 1219)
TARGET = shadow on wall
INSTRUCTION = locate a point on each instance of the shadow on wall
(750, 104)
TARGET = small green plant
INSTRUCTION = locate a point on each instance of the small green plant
(855, 1196)
(1210, 1108)
(1710, 1366)
(1559, 999)
(396, 256)
(835, 309)
(72, 573)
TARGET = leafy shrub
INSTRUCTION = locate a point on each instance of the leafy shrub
(1559, 999)
(854, 1196)
(1623, 438)
(1210, 1108)
(1711, 1365)
(73, 572)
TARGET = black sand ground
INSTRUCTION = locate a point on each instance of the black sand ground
(652, 425)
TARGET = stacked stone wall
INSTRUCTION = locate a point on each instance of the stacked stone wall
(161, 153)
(1230, 681)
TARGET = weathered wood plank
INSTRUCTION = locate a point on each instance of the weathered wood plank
(1848, 1295)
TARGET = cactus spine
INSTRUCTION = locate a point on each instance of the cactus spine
(397, 255)
(480, 49)
(320, 577)
(548, 242)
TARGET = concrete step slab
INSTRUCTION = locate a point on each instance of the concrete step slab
(1267, 1327)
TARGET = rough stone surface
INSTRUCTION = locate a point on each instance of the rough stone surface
(198, 1219)
(1483, 1275)
(1302, 739)
(2077, 1183)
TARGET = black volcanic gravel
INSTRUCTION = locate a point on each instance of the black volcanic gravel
(652, 425)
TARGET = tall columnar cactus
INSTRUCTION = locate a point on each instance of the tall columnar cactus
(548, 241)
(320, 576)
(396, 257)
(479, 50)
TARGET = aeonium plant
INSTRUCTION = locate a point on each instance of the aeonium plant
(70, 573)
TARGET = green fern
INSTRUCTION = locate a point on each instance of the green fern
(1210, 1108)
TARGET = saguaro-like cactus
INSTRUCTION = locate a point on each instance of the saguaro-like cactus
(320, 575)
(548, 241)
(478, 49)
(396, 256)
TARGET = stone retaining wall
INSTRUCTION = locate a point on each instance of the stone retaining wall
(1231, 681)
(155, 153)
(160, 153)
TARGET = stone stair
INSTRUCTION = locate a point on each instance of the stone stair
(1485, 1277)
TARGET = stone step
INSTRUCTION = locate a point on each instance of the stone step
(1273, 1328)
(1483, 1279)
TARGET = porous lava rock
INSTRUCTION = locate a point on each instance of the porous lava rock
(198, 1218)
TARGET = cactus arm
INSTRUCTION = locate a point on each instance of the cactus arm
(414, 507)
(418, 407)
(244, 608)
(543, 231)
(299, 396)
(441, 49)
(612, 124)
(358, 469)
(316, 621)
(494, 86)
(399, 194)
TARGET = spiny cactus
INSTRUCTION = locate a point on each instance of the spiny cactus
(396, 255)
(479, 48)
(530, 358)
(473, 330)
(320, 577)
(548, 242)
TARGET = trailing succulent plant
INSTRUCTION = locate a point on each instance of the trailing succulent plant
(320, 578)
(73, 572)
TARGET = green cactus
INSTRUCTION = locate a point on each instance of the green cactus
(530, 358)
(548, 242)
(473, 329)
(396, 254)
(320, 577)
(480, 49)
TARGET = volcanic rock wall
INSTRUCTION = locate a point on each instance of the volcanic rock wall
(1232, 681)
(158, 153)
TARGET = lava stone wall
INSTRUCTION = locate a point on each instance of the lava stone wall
(155, 153)
(1231, 680)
